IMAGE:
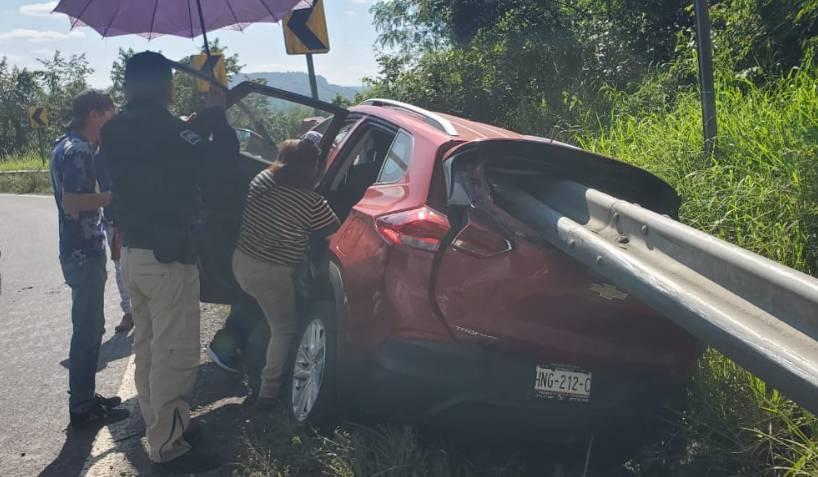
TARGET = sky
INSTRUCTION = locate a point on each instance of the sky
(28, 32)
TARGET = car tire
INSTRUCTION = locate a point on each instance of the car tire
(310, 396)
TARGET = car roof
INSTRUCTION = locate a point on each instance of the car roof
(467, 130)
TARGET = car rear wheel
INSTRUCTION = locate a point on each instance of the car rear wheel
(311, 394)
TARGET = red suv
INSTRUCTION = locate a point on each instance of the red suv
(432, 302)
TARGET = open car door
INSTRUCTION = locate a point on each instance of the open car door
(262, 117)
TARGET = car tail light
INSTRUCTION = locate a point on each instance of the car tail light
(422, 228)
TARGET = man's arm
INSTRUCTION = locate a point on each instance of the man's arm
(73, 203)
(78, 178)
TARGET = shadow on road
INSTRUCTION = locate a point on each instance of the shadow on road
(75, 450)
(118, 346)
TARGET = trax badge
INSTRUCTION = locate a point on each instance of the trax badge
(608, 291)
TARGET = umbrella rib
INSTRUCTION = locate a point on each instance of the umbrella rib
(153, 18)
(234, 14)
(190, 17)
(268, 9)
(82, 12)
(113, 18)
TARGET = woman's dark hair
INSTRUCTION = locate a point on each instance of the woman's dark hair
(296, 164)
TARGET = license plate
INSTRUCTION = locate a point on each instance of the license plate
(553, 382)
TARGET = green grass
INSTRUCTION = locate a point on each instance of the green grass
(276, 448)
(760, 191)
(24, 183)
(23, 162)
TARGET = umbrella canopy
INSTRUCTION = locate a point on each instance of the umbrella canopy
(186, 18)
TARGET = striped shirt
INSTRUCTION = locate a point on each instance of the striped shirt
(278, 220)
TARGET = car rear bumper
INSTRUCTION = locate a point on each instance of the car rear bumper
(476, 388)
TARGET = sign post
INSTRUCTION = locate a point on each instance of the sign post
(38, 119)
(706, 83)
(305, 33)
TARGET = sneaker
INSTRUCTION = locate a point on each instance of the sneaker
(98, 415)
(194, 461)
(108, 403)
(125, 325)
(222, 352)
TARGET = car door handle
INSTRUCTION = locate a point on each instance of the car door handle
(481, 250)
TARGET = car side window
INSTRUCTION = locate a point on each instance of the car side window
(342, 133)
(397, 159)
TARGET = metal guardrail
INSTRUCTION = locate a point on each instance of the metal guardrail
(757, 312)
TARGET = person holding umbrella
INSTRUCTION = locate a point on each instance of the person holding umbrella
(157, 165)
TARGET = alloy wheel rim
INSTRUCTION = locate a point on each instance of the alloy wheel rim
(308, 369)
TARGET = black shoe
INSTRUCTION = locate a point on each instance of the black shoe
(108, 403)
(223, 352)
(265, 404)
(98, 415)
(194, 461)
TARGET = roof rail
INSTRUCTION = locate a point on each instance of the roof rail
(437, 120)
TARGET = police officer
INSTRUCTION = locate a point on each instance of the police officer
(157, 165)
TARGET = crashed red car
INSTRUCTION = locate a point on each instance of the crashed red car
(433, 303)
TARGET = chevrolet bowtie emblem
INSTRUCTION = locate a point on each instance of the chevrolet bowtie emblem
(608, 291)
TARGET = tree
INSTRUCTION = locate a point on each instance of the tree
(186, 98)
(54, 85)
(543, 66)
(18, 89)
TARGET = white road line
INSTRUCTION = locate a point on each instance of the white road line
(109, 449)
(35, 196)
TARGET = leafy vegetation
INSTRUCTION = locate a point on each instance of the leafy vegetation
(54, 84)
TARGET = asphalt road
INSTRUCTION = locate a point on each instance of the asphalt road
(35, 330)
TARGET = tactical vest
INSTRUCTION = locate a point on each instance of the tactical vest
(155, 163)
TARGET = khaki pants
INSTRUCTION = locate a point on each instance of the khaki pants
(165, 303)
(272, 287)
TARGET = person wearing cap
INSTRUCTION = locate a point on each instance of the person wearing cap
(82, 253)
(158, 165)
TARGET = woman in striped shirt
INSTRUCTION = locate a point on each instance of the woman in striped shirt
(280, 214)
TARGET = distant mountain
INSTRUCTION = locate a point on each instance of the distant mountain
(298, 82)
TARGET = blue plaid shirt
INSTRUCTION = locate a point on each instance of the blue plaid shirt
(72, 171)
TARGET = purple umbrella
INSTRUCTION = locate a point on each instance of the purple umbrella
(186, 18)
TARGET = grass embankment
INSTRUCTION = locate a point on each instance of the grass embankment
(24, 182)
(758, 191)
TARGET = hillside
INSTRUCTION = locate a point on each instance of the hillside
(298, 82)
